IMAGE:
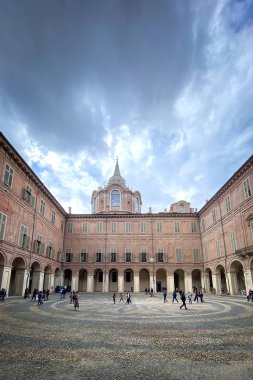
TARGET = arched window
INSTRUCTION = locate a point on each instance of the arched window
(115, 198)
(181, 207)
(137, 205)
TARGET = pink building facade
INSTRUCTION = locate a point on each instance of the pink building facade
(117, 247)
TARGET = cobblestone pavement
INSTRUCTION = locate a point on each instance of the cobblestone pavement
(148, 339)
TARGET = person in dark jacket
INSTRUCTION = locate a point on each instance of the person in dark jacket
(183, 300)
(174, 296)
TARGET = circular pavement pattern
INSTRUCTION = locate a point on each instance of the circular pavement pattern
(148, 339)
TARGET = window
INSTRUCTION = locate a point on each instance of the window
(159, 227)
(113, 256)
(195, 255)
(233, 242)
(53, 217)
(178, 255)
(50, 249)
(85, 228)
(39, 246)
(42, 207)
(115, 198)
(247, 189)
(203, 224)
(193, 227)
(83, 256)
(206, 254)
(113, 228)
(128, 257)
(114, 276)
(228, 204)
(177, 227)
(137, 205)
(217, 248)
(3, 219)
(214, 215)
(68, 256)
(69, 228)
(99, 227)
(160, 258)
(98, 256)
(8, 175)
(128, 276)
(181, 208)
(28, 197)
(143, 256)
(143, 227)
(23, 238)
(128, 227)
(62, 225)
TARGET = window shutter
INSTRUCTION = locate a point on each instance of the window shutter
(42, 248)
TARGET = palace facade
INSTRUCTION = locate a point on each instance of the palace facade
(117, 247)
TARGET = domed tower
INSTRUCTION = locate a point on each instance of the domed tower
(116, 197)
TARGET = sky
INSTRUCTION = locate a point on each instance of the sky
(165, 86)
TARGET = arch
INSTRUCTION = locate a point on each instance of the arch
(83, 278)
(58, 278)
(18, 280)
(144, 278)
(98, 280)
(179, 279)
(161, 280)
(128, 280)
(237, 277)
(113, 280)
(34, 278)
(67, 278)
(221, 282)
(196, 279)
(115, 198)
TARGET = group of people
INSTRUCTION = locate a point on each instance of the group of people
(2, 294)
(149, 291)
(38, 295)
(128, 298)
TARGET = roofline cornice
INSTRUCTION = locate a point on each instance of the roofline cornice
(28, 171)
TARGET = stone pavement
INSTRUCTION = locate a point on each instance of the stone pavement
(148, 339)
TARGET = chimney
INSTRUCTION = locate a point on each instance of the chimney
(69, 210)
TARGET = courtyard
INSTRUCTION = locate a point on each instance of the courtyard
(148, 339)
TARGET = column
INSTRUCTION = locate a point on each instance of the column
(20, 281)
(105, 283)
(207, 283)
(136, 283)
(120, 283)
(170, 283)
(202, 279)
(217, 283)
(75, 282)
(248, 280)
(90, 283)
(152, 281)
(188, 282)
(231, 281)
(5, 281)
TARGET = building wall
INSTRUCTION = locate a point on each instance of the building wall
(190, 257)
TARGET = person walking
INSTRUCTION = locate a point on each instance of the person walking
(76, 301)
(165, 296)
(196, 298)
(128, 298)
(190, 297)
(183, 300)
(174, 296)
(40, 298)
(121, 297)
(114, 297)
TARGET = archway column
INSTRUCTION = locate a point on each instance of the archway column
(202, 279)
(75, 282)
(105, 282)
(5, 282)
(136, 283)
(152, 282)
(207, 283)
(188, 282)
(38, 280)
(120, 283)
(217, 283)
(170, 283)
(49, 282)
(231, 281)
(90, 283)
(248, 279)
